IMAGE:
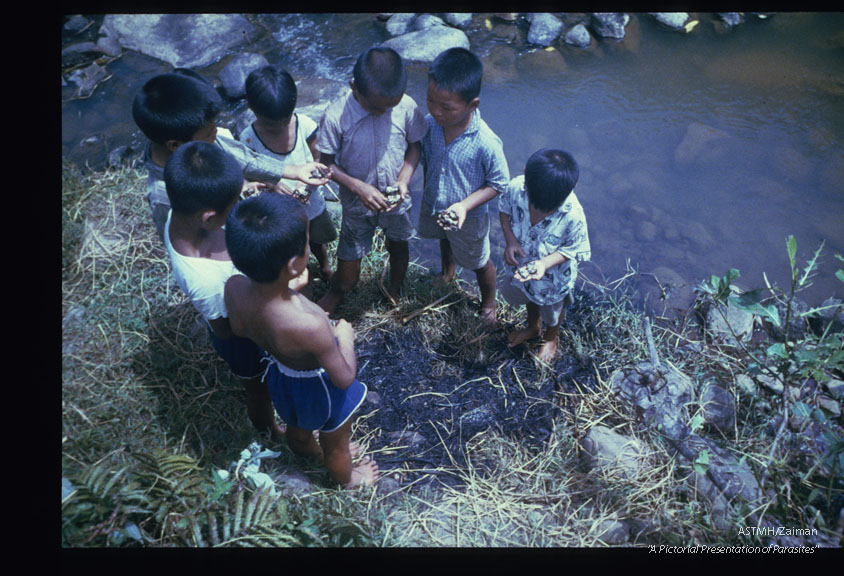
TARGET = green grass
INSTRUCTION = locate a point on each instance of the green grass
(149, 412)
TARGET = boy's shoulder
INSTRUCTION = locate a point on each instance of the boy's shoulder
(485, 133)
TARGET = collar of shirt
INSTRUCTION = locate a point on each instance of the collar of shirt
(357, 111)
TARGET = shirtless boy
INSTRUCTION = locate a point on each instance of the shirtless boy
(313, 368)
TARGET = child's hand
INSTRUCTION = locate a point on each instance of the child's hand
(371, 197)
(512, 252)
(458, 210)
(403, 193)
(344, 331)
(533, 270)
(313, 173)
(253, 188)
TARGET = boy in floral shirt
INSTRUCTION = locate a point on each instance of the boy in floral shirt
(545, 230)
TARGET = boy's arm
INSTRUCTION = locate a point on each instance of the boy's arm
(370, 196)
(221, 327)
(411, 161)
(337, 357)
(472, 201)
(513, 246)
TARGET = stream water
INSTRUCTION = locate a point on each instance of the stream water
(699, 152)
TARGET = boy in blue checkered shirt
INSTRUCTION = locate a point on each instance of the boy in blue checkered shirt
(464, 167)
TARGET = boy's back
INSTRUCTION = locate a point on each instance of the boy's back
(291, 328)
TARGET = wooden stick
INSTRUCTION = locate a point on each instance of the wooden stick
(416, 313)
(651, 346)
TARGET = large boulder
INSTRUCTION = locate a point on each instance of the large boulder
(425, 45)
(425, 21)
(183, 40)
(718, 407)
(659, 396)
(460, 20)
(614, 455)
(545, 28)
(233, 76)
(399, 23)
(726, 323)
(609, 24)
(673, 20)
(701, 144)
(578, 36)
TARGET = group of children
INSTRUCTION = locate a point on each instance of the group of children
(242, 257)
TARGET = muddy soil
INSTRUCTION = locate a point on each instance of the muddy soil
(426, 406)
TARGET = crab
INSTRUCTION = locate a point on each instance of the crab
(303, 195)
(527, 270)
(448, 220)
(393, 195)
(317, 173)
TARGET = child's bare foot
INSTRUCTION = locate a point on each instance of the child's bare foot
(364, 473)
(516, 337)
(278, 431)
(329, 301)
(547, 351)
(354, 449)
(489, 315)
(441, 280)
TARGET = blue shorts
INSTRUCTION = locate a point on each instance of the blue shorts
(308, 400)
(241, 354)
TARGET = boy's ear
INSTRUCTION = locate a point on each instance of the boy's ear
(173, 144)
(208, 215)
(474, 103)
(292, 267)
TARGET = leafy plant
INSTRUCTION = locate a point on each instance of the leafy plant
(793, 362)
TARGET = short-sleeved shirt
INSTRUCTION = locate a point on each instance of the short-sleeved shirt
(201, 279)
(300, 154)
(473, 160)
(256, 166)
(370, 148)
(563, 231)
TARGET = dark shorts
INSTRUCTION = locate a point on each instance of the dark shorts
(322, 230)
(241, 354)
(308, 400)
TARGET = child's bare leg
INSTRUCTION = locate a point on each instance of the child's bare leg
(259, 407)
(321, 254)
(302, 442)
(345, 280)
(548, 349)
(532, 330)
(486, 283)
(338, 459)
(399, 251)
(448, 263)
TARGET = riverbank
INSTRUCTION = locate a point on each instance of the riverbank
(479, 445)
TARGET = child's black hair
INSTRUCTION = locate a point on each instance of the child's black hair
(380, 71)
(201, 176)
(175, 106)
(271, 93)
(264, 232)
(550, 175)
(458, 70)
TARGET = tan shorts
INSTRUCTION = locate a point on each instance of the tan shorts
(357, 230)
(470, 244)
(322, 230)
